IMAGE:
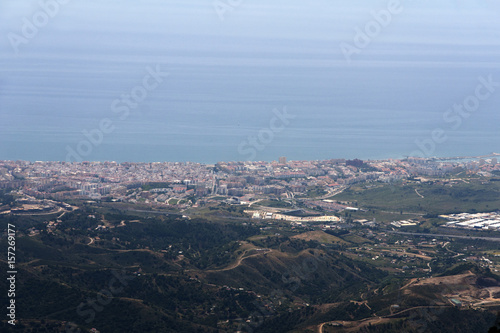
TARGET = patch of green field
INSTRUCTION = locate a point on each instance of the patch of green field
(382, 216)
(435, 198)
(321, 237)
(257, 237)
(352, 238)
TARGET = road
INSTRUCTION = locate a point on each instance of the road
(492, 239)
(418, 307)
(376, 320)
(254, 202)
(404, 213)
(330, 193)
(150, 212)
(239, 261)
(41, 213)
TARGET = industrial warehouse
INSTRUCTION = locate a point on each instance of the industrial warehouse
(485, 221)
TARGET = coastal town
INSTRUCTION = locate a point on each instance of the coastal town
(430, 224)
(186, 184)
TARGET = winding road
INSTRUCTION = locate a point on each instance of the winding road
(239, 260)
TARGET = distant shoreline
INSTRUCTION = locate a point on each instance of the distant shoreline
(434, 158)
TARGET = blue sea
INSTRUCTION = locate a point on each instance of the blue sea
(229, 78)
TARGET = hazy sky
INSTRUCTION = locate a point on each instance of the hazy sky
(65, 70)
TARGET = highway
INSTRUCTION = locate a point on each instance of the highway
(493, 239)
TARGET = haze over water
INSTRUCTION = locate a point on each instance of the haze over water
(227, 75)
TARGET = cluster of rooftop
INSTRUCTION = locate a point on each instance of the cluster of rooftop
(486, 221)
